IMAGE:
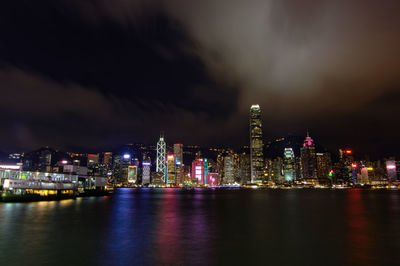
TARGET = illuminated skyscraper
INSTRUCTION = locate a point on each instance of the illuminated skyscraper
(324, 165)
(244, 168)
(344, 169)
(107, 158)
(308, 159)
(132, 174)
(92, 159)
(391, 170)
(289, 171)
(220, 165)
(229, 177)
(161, 165)
(277, 170)
(256, 145)
(171, 170)
(178, 153)
(146, 164)
(364, 175)
(122, 162)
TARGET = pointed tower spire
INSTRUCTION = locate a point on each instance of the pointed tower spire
(308, 141)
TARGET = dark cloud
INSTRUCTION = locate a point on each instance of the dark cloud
(37, 111)
(193, 68)
(81, 84)
(134, 62)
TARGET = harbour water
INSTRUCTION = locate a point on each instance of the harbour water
(206, 227)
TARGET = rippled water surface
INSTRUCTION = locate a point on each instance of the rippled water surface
(205, 227)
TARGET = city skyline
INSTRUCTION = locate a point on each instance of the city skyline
(170, 146)
(176, 166)
(295, 165)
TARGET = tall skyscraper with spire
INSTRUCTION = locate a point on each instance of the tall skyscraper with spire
(308, 159)
(256, 145)
(161, 164)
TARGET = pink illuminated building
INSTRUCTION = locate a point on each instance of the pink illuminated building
(200, 171)
(213, 179)
(308, 159)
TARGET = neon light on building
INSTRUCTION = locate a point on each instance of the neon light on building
(200, 171)
(308, 141)
(13, 167)
(213, 179)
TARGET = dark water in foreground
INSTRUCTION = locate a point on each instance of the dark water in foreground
(205, 227)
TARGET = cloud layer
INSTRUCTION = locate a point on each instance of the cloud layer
(192, 68)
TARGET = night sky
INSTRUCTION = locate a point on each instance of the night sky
(92, 75)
